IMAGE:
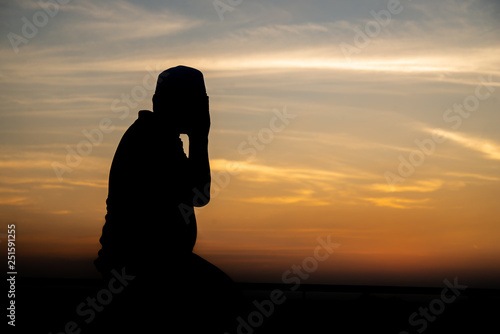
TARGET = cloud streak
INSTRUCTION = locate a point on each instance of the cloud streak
(399, 203)
(489, 148)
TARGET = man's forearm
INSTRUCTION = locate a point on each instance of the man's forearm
(200, 167)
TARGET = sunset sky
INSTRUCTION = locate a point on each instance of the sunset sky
(372, 123)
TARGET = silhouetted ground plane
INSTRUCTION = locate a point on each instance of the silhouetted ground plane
(66, 305)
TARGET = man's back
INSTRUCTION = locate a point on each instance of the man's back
(148, 181)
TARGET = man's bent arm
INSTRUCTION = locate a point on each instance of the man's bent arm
(200, 169)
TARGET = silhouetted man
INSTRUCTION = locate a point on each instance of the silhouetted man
(150, 228)
(153, 186)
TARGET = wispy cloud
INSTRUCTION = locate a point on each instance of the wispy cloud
(399, 203)
(283, 173)
(62, 212)
(418, 186)
(489, 148)
(120, 20)
(15, 200)
(284, 200)
(473, 176)
(12, 190)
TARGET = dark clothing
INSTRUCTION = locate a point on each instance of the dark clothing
(150, 228)
(150, 178)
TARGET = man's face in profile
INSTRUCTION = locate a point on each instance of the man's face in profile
(182, 111)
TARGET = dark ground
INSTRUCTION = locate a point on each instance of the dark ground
(49, 305)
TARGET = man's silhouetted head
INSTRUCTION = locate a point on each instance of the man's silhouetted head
(180, 93)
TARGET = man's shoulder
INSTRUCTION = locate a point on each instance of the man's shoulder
(137, 130)
(145, 118)
(144, 114)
